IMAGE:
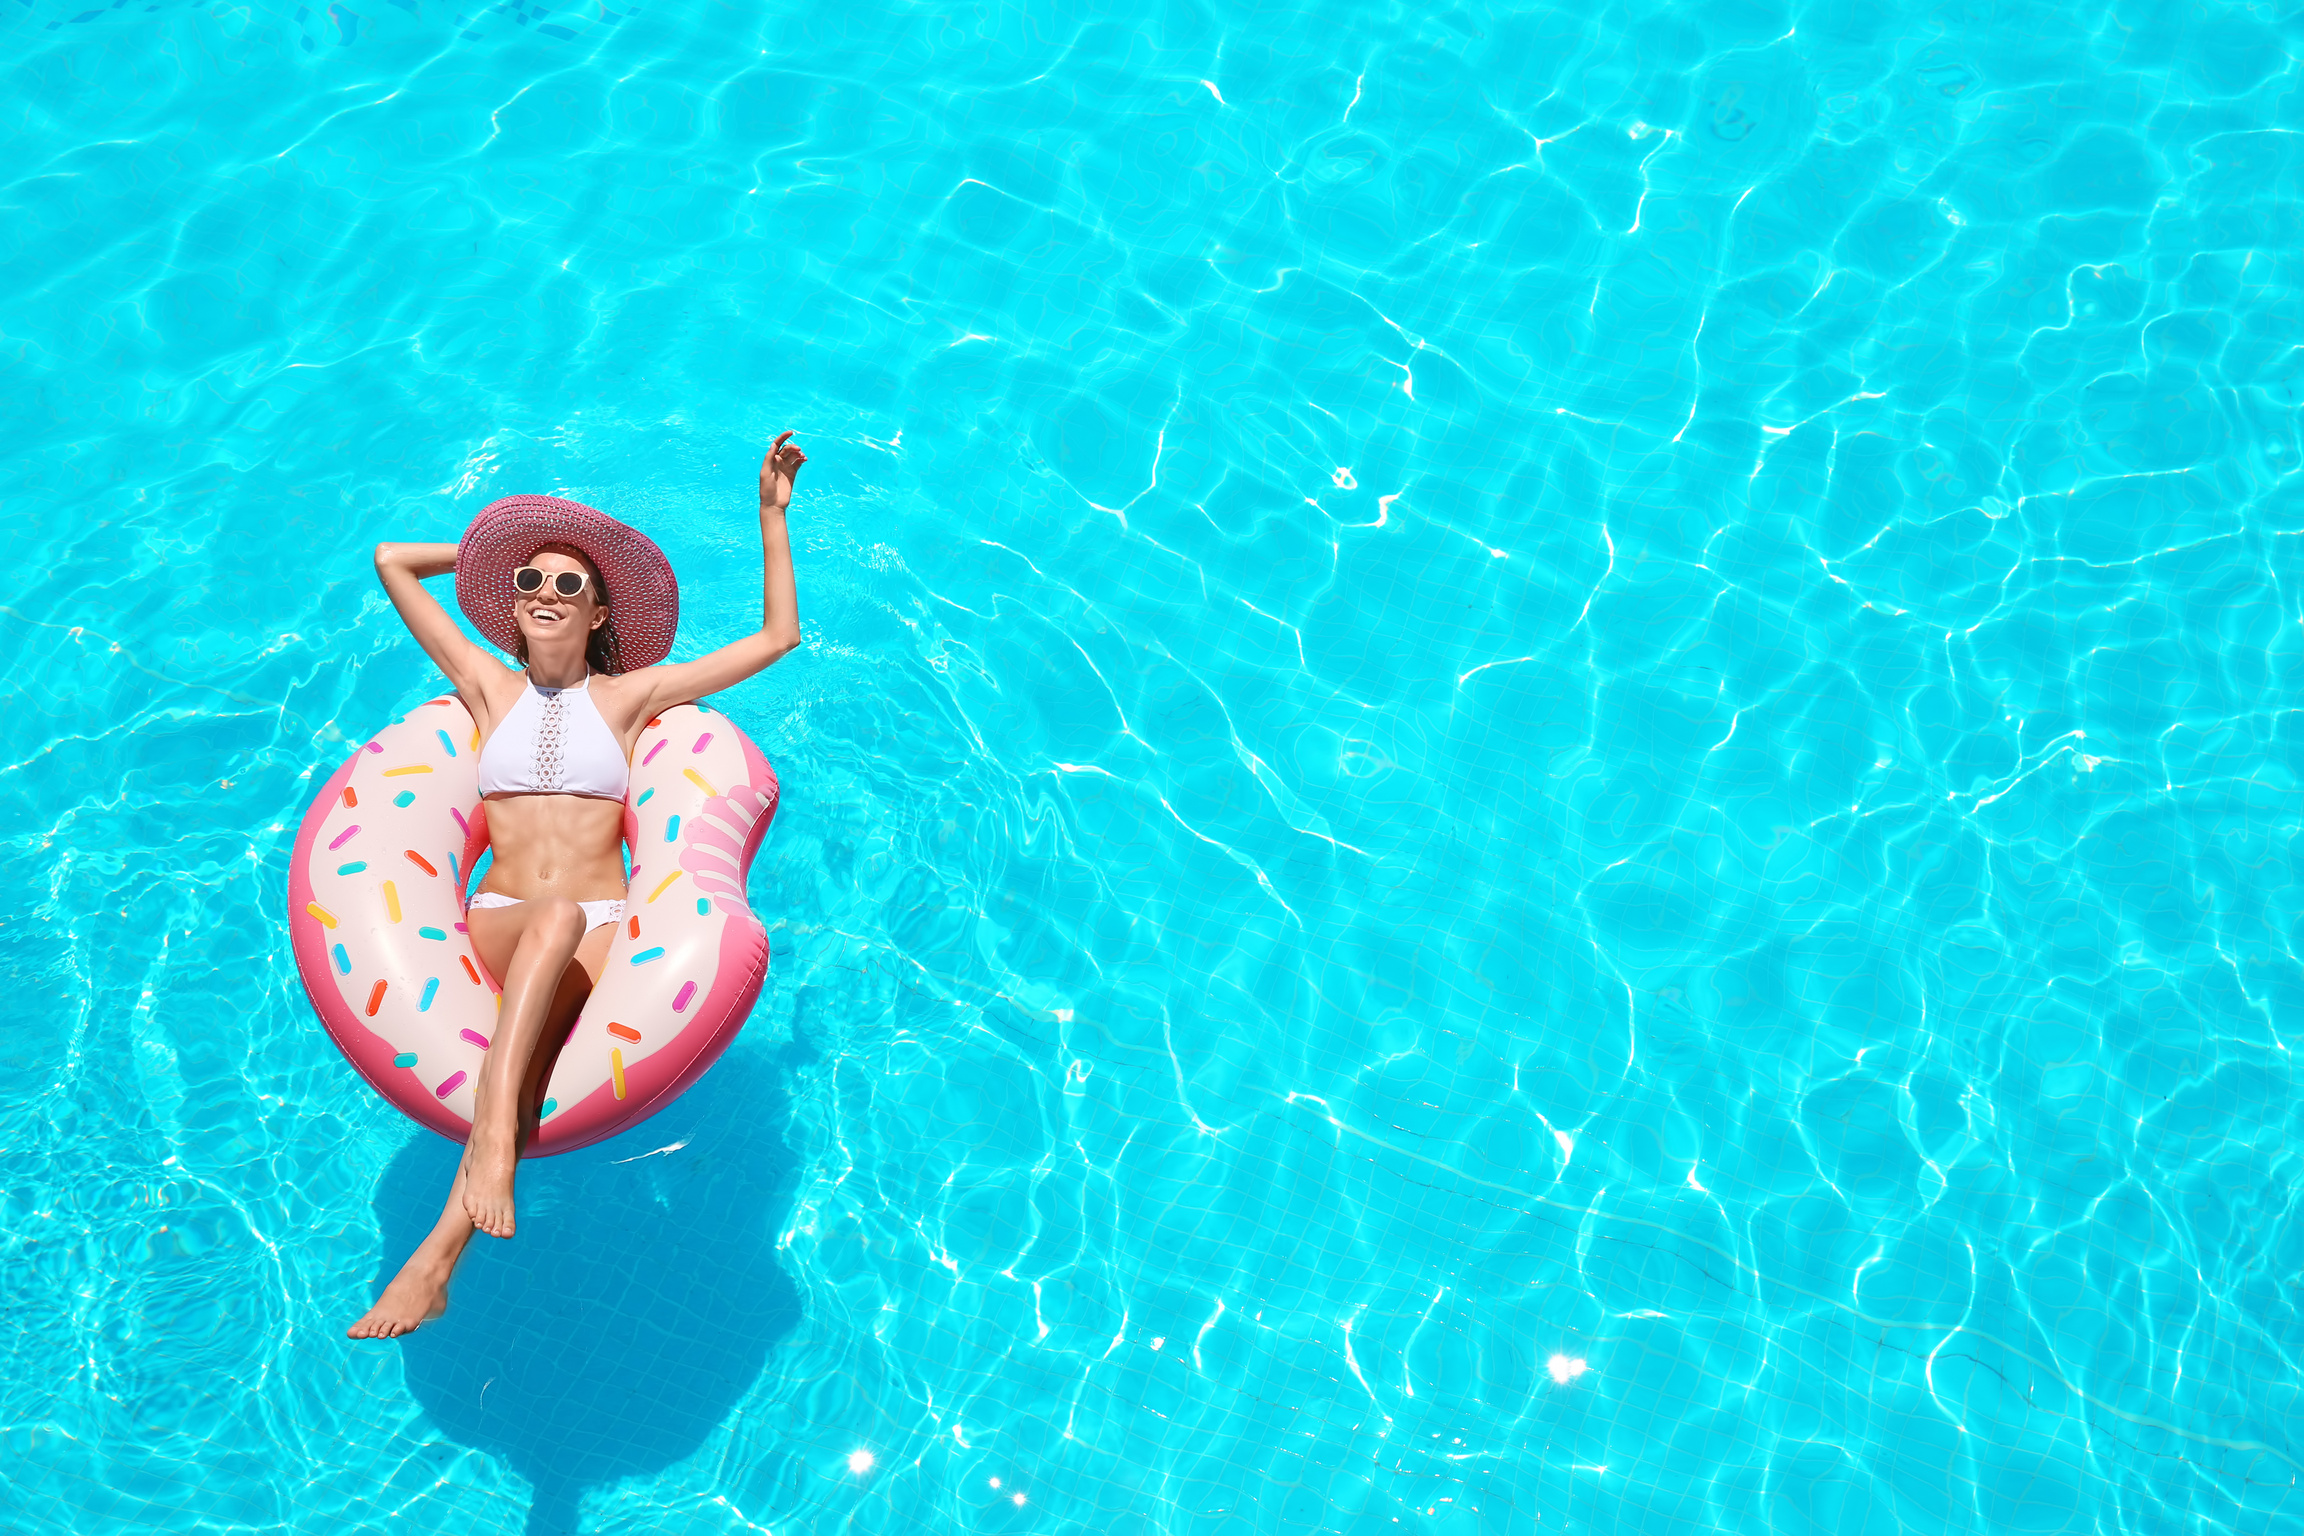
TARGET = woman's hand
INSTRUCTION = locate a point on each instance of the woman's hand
(776, 474)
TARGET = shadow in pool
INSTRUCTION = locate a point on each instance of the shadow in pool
(634, 1309)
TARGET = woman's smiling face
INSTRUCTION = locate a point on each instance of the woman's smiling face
(545, 616)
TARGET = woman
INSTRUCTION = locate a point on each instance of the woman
(580, 598)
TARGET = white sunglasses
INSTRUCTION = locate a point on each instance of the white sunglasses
(529, 580)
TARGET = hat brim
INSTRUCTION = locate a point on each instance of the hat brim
(643, 597)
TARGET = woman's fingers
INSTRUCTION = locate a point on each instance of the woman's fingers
(782, 462)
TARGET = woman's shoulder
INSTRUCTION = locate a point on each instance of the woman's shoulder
(622, 697)
(491, 691)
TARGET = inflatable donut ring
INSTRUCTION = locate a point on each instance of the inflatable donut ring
(376, 898)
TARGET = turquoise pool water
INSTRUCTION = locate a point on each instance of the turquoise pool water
(1544, 781)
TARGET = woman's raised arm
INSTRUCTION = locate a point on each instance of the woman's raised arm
(779, 601)
(402, 568)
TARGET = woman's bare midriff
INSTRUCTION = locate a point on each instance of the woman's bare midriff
(555, 845)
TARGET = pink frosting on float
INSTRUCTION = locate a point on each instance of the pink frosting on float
(685, 1038)
(658, 1079)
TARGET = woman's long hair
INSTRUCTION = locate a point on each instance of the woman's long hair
(600, 650)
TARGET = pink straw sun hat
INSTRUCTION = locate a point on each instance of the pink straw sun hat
(643, 597)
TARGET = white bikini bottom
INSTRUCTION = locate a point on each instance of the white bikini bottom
(595, 912)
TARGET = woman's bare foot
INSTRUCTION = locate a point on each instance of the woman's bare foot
(491, 1157)
(418, 1294)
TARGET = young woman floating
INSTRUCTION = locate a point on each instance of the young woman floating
(589, 606)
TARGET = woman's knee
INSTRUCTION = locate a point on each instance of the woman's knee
(557, 922)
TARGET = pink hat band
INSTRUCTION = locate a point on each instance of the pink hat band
(643, 597)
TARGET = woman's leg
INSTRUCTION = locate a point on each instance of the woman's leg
(419, 1293)
(529, 948)
(502, 935)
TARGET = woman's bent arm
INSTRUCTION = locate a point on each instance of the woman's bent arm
(402, 568)
(779, 600)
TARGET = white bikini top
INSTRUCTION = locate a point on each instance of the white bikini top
(555, 743)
